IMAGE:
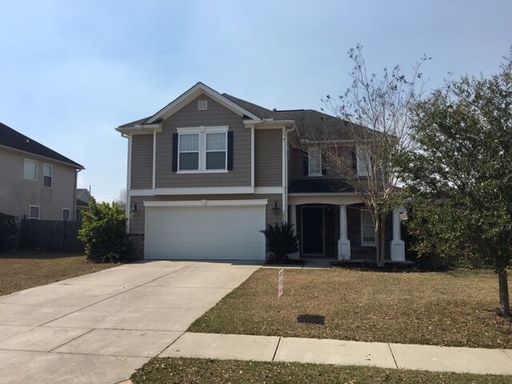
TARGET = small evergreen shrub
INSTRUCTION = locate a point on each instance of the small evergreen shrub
(103, 231)
(7, 232)
(281, 240)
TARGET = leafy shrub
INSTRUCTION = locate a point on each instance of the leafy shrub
(7, 232)
(103, 231)
(281, 240)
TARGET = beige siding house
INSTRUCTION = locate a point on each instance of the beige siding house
(209, 171)
(35, 181)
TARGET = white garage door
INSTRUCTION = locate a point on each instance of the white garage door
(204, 232)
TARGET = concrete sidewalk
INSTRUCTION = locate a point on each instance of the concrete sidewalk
(339, 352)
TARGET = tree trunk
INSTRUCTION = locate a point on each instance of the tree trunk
(379, 239)
(504, 300)
(382, 240)
(377, 242)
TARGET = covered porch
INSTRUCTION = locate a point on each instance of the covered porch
(339, 227)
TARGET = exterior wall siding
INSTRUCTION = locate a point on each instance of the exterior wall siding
(16, 193)
(298, 170)
(142, 162)
(137, 219)
(190, 116)
(268, 160)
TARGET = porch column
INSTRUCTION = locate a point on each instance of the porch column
(397, 244)
(293, 217)
(343, 242)
(293, 221)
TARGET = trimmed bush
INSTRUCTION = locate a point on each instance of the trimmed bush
(103, 231)
(281, 240)
(7, 232)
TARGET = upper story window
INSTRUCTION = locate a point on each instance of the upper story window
(66, 213)
(202, 149)
(30, 169)
(33, 211)
(47, 175)
(188, 158)
(367, 228)
(314, 162)
(364, 162)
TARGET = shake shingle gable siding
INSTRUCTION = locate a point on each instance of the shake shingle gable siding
(13, 139)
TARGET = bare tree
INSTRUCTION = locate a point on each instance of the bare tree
(377, 112)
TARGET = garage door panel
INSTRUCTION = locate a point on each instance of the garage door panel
(205, 232)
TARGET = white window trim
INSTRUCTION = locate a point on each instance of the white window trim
(202, 131)
(50, 176)
(38, 211)
(37, 171)
(365, 243)
(310, 151)
(69, 216)
(363, 156)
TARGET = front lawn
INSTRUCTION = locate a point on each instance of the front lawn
(26, 269)
(174, 370)
(451, 308)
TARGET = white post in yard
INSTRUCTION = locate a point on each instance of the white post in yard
(343, 242)
(397, 244)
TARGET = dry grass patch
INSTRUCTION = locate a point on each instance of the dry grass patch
(452, 308)
(168, 371)
(26, 269)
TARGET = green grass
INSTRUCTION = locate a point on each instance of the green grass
(451, 308)
(179, 370)
(26, 269)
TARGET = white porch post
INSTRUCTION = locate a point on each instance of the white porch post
(293, 221)
(397, 244)
(343, 242)
(293, 218)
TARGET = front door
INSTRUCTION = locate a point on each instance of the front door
(312, 231)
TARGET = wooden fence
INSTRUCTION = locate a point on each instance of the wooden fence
(47, 235)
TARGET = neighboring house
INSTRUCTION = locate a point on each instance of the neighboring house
(83, 197)
(35, 181)
(209, 171)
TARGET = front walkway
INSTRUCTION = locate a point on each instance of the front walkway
(99, 328)
(328, 351)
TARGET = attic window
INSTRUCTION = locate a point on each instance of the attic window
(202, 105)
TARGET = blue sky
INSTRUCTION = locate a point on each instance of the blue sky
(71, 71)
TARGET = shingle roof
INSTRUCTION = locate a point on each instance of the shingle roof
(311, 125)
(14, 139)
(132, 123)
(258, 110)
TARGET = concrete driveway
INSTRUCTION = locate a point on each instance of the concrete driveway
(99, 328)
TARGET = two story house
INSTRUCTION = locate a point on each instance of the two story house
(35, 181)
(209, 171)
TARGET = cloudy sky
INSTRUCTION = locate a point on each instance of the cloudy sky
(71, 71)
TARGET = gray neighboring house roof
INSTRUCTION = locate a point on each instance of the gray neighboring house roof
(83, 197)
(16, 140)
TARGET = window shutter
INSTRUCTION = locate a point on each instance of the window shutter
(305, 161)
(174, 152)
(324, 164)
(354, 163)
(230, 150)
